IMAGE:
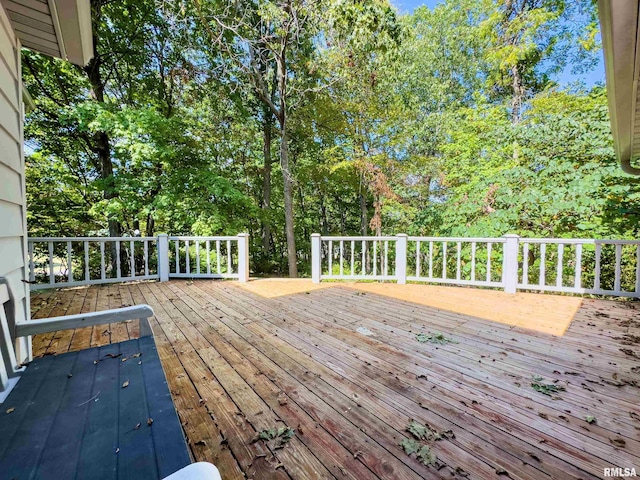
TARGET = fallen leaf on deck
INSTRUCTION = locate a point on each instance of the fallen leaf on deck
(149, 421)
(501, 471)
(201, 442)
(69, 375)
(410, 446)
(590, 419)
(10, 410)
(136, 355)
(125, 384)
(137, 426)
(113, 355)
(118, 450)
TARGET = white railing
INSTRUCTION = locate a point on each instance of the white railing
(456, 260)
(599, 267)
(208, 257)
(71, 261)
(351, 258)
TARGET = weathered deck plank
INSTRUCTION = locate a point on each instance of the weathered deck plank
(240, 359)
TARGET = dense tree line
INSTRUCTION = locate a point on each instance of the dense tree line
(287, 117)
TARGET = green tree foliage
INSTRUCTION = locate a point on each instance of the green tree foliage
(441, 122)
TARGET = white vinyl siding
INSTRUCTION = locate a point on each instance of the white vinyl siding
(13, 228)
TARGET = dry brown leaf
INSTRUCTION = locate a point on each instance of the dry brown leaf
(10, 410)
(149, 421)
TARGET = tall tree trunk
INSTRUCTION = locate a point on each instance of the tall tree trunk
(101, 144)
(292, 259)
(266, 183)
(288, 200)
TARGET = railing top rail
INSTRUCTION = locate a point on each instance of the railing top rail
(89, 239)
(583, 241)
(358, 239)
(185, 237)
(458, 239)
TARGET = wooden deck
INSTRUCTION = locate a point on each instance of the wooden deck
(341, 364)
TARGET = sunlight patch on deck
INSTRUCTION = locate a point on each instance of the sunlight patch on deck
(280, 287)
(549, 314)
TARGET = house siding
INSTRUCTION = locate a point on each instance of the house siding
(13, 227)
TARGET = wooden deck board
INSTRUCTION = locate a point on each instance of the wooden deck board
(340, 364)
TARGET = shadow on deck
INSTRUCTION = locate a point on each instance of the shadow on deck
(341, 365)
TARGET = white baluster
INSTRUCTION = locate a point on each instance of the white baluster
(177, 256)
(146, 258)
(458, 251)
(86, 261)
(118, 267)
(559, 266)
(229, 260)
(616, 281)
(197, 257)
(577, 282)
(596, 280)
(219, 270)
(489, 246)
(417, 258)
(132, 259)
(208, 246)
(103, 266)
(542, 281)
(375, 257)
(187, 257)
(52, 277)
(525, 264)
(473, 261)
(69, 263)
(341, 258)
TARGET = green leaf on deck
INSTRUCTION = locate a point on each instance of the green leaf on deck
(436, 337)
(425, 432)
(545, 388)
(410, 446)
(426, 456)
(590, 419)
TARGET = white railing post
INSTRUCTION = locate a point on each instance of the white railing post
(316, 257)
(510, 263)
(401, 258)
(243, 257)
(163, 257)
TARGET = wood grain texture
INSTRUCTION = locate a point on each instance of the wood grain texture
(340, 363)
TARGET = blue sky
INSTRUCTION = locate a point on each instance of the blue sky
(590, 78)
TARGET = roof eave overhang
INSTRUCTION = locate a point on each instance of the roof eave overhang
(619, 29)
(72, 22)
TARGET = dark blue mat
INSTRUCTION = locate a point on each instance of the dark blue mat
(72, 418)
